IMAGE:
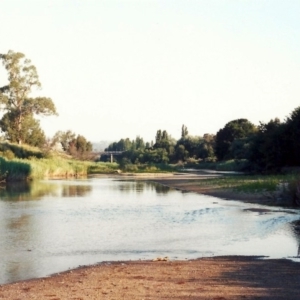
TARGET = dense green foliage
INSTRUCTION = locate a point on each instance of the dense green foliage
(277, 144)
(165, 149)
(231, 140)
(18, 122)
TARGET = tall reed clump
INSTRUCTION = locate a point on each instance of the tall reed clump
(57, 168)
(14, 170)
(33, 168)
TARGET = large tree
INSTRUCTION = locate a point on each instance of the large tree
(292, 138)
(233, 131)
(31, 131)
(15, 98)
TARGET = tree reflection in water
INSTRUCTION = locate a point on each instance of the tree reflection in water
(161, 189)
(24, 191)
(76, 190)
(141, 186)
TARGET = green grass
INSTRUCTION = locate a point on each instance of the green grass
(229, 165)
(248, 183)
(149, 168)
(102, 168)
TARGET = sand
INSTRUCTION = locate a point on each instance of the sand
(208, 278)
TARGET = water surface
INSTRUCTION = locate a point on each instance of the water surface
(51, 226)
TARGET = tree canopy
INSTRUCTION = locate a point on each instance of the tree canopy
(15, 100)
(232, 131)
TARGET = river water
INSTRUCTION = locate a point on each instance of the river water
(51, 226)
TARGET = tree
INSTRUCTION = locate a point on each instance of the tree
(205, 150)
(266, 151)
(15, 99)
(236, 129)
(77, 146)
(184, 131)
(186, 147)
(31, 131)
(292, 138)
(65, 138)
(164, 141)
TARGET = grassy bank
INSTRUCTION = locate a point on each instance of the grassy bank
(28, 169)
(229, 165)
(283, 189)
(249, 183)
(149, 168)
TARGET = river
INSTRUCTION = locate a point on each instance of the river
(52, 226)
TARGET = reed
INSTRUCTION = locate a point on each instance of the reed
(33, 168)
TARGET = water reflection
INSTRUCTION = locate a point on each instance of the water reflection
(76, 190)
(161, 189)
(23, 191)
(140, 187)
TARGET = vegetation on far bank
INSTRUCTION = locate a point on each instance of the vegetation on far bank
(23, 163)
(248, 183)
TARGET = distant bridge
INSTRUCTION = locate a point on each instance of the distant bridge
(111, 153)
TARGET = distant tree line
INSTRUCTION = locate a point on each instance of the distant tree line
(267, 147)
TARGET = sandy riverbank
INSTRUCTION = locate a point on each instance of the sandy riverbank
(208, 278)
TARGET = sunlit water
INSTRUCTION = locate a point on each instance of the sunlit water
(52, 226)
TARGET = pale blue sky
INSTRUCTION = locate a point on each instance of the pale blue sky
(119, 69)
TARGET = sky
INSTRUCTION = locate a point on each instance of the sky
(126, 68)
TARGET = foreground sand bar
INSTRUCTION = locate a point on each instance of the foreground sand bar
(208, 278)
